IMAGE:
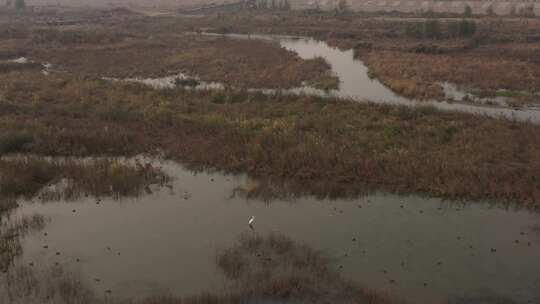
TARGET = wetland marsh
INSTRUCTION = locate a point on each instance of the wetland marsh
(134, 149)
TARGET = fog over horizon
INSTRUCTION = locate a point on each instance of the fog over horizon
(125, 3)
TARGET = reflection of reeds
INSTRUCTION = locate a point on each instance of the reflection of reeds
(275, 267)
(10, 233)
(69, 179)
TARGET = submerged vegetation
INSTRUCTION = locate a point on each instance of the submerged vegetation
(46, 179)
(257, 268)
(274, 267)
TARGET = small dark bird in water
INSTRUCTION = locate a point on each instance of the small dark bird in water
(522, 233)
(346, 255)
(340, 267)
(56, 263)
(211, 179)
(425, 284)
(470, 246)
(108, 248)
(57, 253)
(384, 271)
(119, 253)
(77, 260)
(354, 239)
(392, 281)
(401, 206)
(493, 250)
(97, 280)
(45, 246)
(421, 211)
(74, 210)
(439, 263)
(31, 264)
(45, 234)
(359, 206)
(108, 291)
(516, 241)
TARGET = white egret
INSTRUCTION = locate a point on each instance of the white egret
(251, 220)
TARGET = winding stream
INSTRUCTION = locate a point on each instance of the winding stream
(357, 85)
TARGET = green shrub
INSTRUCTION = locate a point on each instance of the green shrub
(219, 98)
(14, 142)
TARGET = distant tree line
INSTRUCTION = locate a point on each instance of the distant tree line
(16, 4)
(283, 5)
(434, 29)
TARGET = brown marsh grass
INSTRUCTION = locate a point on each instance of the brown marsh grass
(315, 146)
(239, 63)
(417, 75)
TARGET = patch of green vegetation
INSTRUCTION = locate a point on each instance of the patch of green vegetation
(7, 67)
(507, 93)
(15, 141)
(187, 82)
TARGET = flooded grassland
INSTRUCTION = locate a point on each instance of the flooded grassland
(353, 202)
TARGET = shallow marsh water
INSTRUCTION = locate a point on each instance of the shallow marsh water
(167, 241)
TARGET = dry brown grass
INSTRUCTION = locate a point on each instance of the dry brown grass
(70, 179)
